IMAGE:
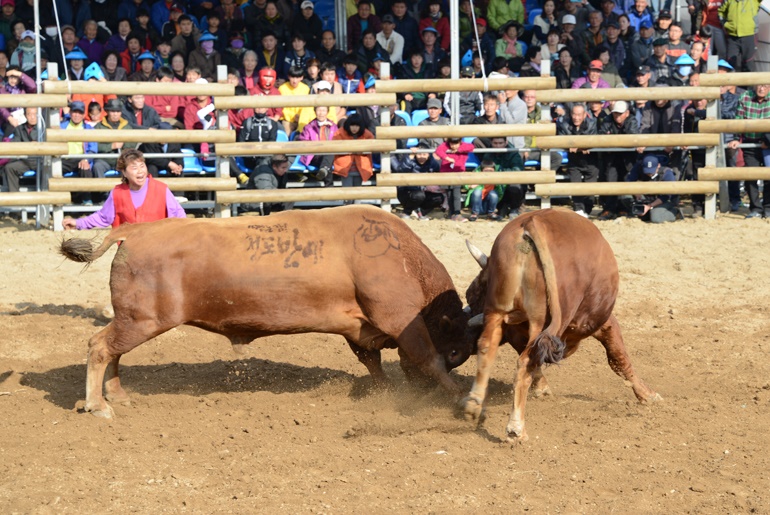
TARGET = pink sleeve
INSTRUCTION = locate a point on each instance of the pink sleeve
(173, 207)
(102, 218)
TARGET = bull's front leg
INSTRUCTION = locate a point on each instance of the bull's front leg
(489, 342)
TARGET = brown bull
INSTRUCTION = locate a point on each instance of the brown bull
(354, 271)
(550, 281)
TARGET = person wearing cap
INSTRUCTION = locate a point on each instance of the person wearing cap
(76, 64)
(24, 54)
(320, 128)
(662, 23)
(582, 166)
(433, 17)
(205, 57)
(390, 40)
(113, 120)
(683, 69)
(641, 49)
(572, 40)
(362, 20)
(26, 132)
(615, 166)
(642, 77)
(139, 198)
(593, 78)
(435, 110)
(580, 12)
(661, 65)
(75, 121)
(754, 104)
(171, 27)
(469, 44)
(470, 102)
(418, 201)
(309, 25)
(432, 53)
(146, 71)
(500, 12)
(615, 47)
(161, 12)
(221, 34)
(655, 209)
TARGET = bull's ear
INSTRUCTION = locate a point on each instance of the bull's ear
(446, 324)
(479, 256)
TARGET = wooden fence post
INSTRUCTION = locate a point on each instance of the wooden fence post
(712, 112)
(545, 116)
(222, 163)
(385, 163)
(54, 120)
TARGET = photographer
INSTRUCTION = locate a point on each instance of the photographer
(662, 208)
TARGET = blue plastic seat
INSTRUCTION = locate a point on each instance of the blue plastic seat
(534, 13)
(281, 137)
(29, 174)
(405, 116)
(419, 115)
(190, 163)
(472, 163)
(112, 173)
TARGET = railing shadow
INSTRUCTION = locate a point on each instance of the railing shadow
(70, 310)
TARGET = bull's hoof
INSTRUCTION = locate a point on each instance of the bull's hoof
(121, 398)
(472, 409)
(545, 392)
(516, 437)
(655, 397)
(103, 412)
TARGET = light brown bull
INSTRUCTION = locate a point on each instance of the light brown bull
(550, 281)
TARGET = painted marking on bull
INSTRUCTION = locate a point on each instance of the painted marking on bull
(277, 242)
(374, 238)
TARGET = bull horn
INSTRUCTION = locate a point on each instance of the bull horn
(467, 310)
(479, 256)
(476, 321)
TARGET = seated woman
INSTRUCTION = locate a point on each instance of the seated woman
(320, 129)
(346, 164)
(139, 198)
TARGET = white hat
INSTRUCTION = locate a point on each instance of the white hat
(306, 4)
(621, 106)
(27, 34)
(323, 84)
(201, 80)
(569, 18)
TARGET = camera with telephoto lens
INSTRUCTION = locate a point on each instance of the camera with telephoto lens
(637, 209)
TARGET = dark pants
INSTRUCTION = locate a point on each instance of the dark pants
(455, 200)
(616, 167)
(740, 51)
(513, 198)
(718, 42)
(582, 171)
(327, 162)
(753, 157)
(425, 201)
(733, 187)
(156, 164)
(15, 169)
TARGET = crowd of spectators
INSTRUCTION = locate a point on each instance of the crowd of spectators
(280, 47)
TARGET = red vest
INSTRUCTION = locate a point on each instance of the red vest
(153, 208)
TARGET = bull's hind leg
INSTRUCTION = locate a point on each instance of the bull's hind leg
(99, 358)
(488, 343)
(612, 339)
(522, 380)
(539, 386)
(114, 392)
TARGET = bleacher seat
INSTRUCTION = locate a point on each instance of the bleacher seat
(534, 13)
(419, 115)
(190, 164)
(405, 116)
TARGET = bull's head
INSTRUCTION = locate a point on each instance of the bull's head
(457, 348)
(475, 296)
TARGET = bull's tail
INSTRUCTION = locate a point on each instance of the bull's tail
(82, 250)
(548, 347)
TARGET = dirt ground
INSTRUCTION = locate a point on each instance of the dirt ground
(295, 427)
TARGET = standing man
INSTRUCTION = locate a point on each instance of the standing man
(616, 165)
(582, 165)
(739, 25)
(754, 104)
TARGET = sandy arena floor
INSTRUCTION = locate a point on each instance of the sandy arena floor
(294, 427)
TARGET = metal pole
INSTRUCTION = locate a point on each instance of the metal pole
(454, 49)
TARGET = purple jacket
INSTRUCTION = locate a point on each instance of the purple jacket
(93, 49)
(27, 85)
(582, 80)
(312, 132)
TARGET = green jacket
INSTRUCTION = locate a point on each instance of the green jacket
(499, 188)
(500, 12)
(738, 17)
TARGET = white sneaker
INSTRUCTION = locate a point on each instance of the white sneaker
(581, 213)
